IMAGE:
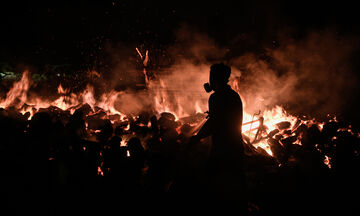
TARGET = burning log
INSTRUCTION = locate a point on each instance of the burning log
(193, 119)
(106, 131)
(26, 115)
(85, 109)
(288, 141)
(283, 125)
(114, 117)
(96, 123)
(167, 121)
(250, 122)
(301, 129)
(296, 125)
(186, 129)
(98, 109)
(287, 132)
(168, 116)
(277, 149)
(289, 146)
(12, 112)
(96, 120)
(273, 132)
(249, 149)
(278, 137)
(263, 152)
(262, 128)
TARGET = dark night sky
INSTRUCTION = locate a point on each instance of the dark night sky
(56, 32)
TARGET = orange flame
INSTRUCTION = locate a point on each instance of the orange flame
(17, 95)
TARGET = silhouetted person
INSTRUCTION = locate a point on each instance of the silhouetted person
(224, 122)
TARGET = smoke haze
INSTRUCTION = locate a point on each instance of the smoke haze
(313, 75)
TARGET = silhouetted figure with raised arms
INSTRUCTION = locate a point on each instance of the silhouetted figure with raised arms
(224, 170)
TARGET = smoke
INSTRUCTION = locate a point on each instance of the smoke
(195, 46)
(176, 87)
(125, 66)
(181, 85)
(313, 75)
(181, 90)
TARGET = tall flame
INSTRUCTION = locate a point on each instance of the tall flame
(17, 95)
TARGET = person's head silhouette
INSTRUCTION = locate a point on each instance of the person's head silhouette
(219, 77)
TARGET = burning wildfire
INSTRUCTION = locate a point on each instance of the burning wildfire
(17, 98)
(256, 128)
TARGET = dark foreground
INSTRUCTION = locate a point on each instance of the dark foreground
(51, 166)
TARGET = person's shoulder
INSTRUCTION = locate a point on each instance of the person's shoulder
(234, 93)
(213, 98)
(235, 96)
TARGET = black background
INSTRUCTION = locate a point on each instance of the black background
(64, 32)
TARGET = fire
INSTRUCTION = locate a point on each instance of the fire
(198, 108)
(161, 100)
(255, 126)
(61, 90)
(17, 95)
(267, 121)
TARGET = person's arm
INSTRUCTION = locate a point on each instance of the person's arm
(205, 130)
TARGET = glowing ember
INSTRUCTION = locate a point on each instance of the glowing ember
(100, 172)
(327, 161)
